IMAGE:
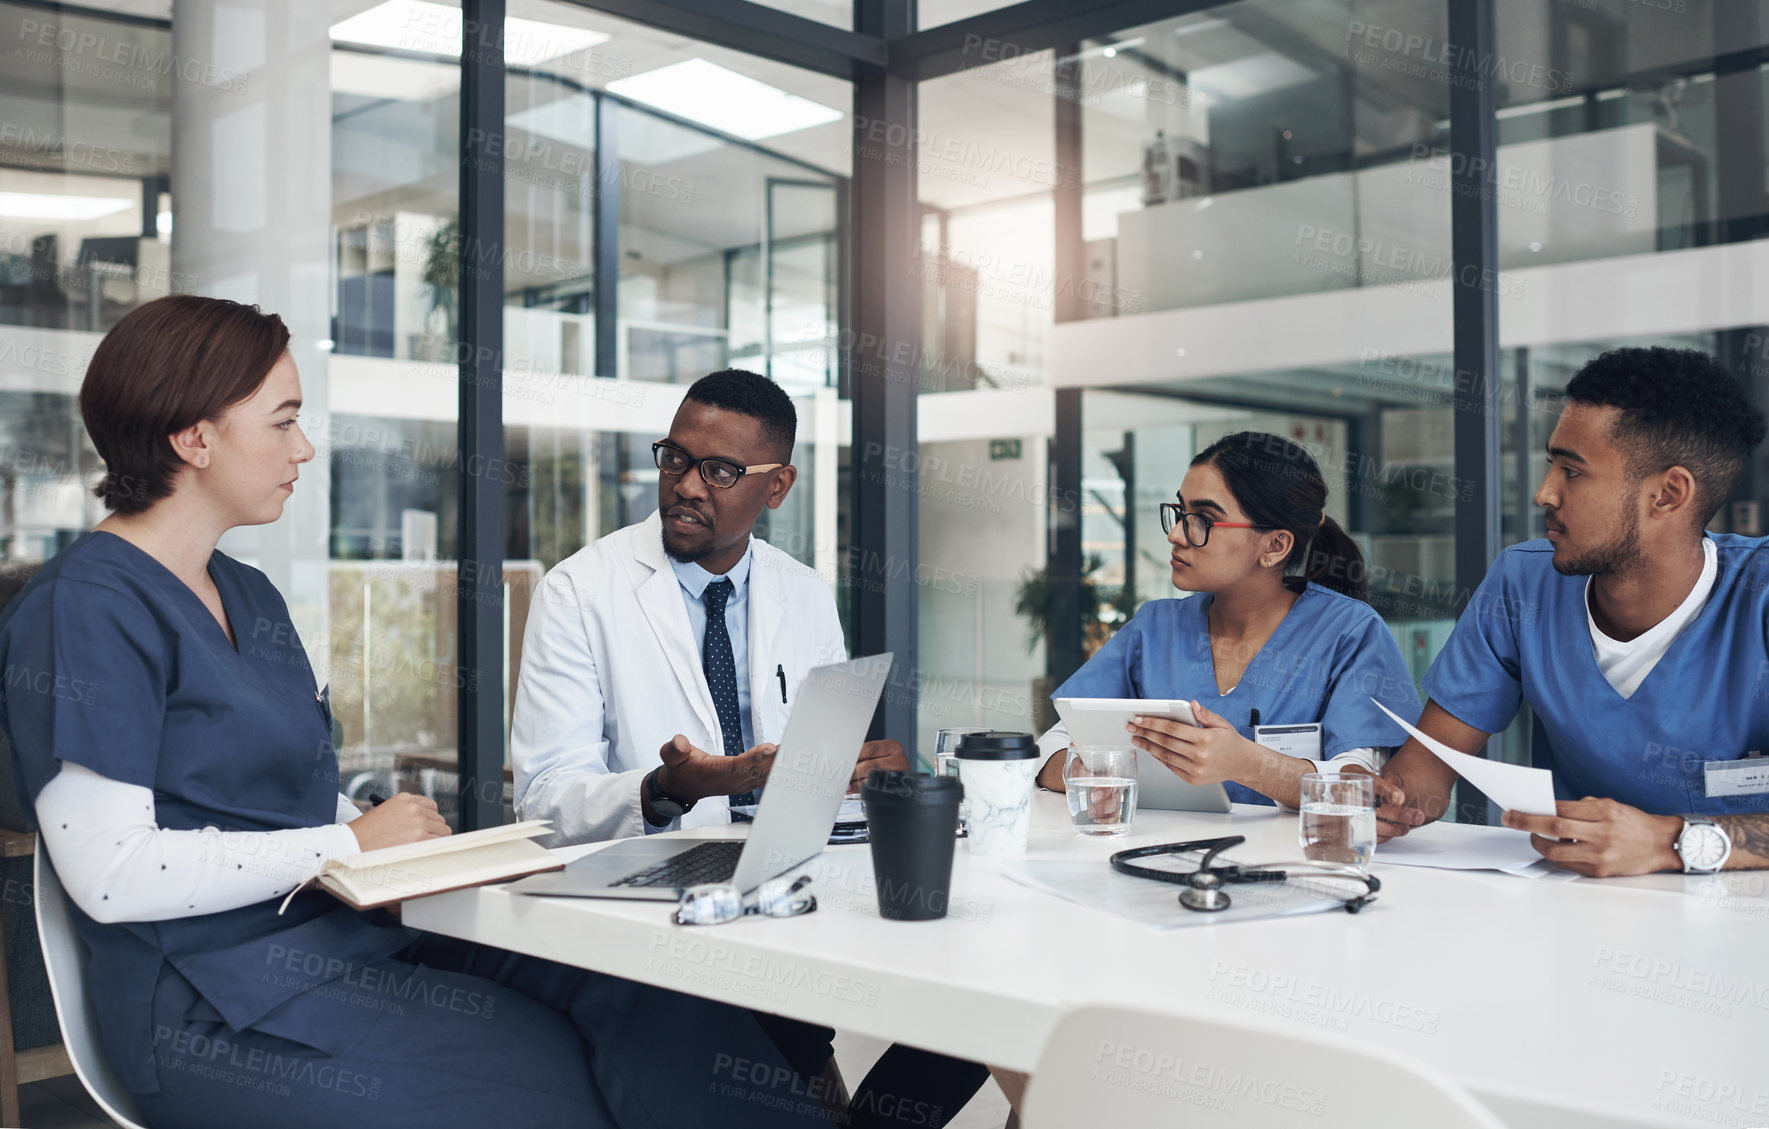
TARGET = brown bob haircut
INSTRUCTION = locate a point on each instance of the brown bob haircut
(166, 366)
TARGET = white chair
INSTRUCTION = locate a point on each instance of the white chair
(1115, 1066)
(64, 955)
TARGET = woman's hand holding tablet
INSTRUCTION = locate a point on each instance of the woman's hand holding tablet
(1204, 749)
(1115, 721)
(1105, 721)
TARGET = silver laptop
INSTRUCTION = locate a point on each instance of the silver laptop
(792, 822)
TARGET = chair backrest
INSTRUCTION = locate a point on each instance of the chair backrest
(64, 954)
(1116, 1066)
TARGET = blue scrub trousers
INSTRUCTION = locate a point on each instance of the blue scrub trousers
(448, 1033)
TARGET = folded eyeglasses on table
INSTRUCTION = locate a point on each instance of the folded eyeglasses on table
(718, 902)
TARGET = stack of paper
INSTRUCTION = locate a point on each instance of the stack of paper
(1464, 846)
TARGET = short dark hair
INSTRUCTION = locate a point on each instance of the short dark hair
(168, 365)
(753, 395)
(1679, 407)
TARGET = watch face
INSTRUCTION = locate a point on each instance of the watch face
(1702, 847)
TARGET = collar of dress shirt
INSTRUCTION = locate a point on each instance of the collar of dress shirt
(694, 579)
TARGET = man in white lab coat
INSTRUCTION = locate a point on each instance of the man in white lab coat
(659, 667)
(639, 709)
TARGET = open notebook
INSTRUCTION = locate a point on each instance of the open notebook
(454, 862)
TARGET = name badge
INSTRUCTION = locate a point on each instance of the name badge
(1747, 776)
(1292, 740)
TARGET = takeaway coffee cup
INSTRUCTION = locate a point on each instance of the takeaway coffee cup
(913, 822)
(997, 768)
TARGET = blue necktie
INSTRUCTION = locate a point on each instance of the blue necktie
(721, 673)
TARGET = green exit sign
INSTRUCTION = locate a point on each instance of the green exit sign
(1000, 449)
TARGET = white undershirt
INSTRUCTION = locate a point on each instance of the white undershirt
(118, 864)
(1626, 665)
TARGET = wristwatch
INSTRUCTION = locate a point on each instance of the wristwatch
(664, 804)
(1703, 846)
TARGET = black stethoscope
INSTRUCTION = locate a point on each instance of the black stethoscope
(1204, 886)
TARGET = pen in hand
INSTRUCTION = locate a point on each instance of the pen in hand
(376, 799)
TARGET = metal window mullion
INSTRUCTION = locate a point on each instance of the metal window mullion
(1474, 247)
(884, 371)
(1065, 637)
(480, 587)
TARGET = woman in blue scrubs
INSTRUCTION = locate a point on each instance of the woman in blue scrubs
(167, 730)
(1278, 631)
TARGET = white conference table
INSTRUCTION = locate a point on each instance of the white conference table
(1568, 1005)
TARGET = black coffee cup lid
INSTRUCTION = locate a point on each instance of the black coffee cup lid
(910, 787)
(997, 745)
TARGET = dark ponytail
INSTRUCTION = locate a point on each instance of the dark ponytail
(1278, 484)
(1335, 561)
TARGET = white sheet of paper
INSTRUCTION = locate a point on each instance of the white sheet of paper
(1514, 787)
(1462, 846)
(1156, 904)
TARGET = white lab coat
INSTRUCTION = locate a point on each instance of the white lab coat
(611, 670)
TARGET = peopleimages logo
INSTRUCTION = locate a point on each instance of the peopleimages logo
(1168, 1075)
(1412, 53)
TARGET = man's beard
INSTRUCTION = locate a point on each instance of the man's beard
(1620, 555)
(685, 555)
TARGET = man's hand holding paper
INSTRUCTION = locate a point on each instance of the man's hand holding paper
(1599, 838)
(1602, 838)
(1514, 787)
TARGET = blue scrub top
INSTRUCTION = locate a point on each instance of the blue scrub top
(109, 661)
(1329, 655)
(1525, 637)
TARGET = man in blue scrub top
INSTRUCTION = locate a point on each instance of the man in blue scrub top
(1640, 641)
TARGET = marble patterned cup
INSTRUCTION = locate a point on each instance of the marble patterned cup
(998, 768)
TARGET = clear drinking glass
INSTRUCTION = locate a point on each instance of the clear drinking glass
(1338, 818)
(946, 748)
(1100, 781)
(946, 756)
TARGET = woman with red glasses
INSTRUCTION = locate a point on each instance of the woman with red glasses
(1276, 633)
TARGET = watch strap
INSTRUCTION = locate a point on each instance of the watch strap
(1693, 821)
(672, 806)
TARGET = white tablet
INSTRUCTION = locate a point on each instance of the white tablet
(1101, 721)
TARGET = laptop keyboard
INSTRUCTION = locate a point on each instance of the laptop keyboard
(709, 862)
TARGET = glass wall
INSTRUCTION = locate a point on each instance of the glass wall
(1639, 135)
(986, 269)
(1246, 154)
(393, 526)
(93, 228)
(713, 185)
(1260, 149)
(1267, 211)
(85, 236)
(716, 182)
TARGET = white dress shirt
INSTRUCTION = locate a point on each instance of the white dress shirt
(694, 580)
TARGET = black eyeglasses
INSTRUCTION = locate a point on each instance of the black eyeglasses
(1197, 526)
(722, 473)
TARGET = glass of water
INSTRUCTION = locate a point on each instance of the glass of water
(1100, 781)
(946, 757)
(946, 748)
(1338, 818)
